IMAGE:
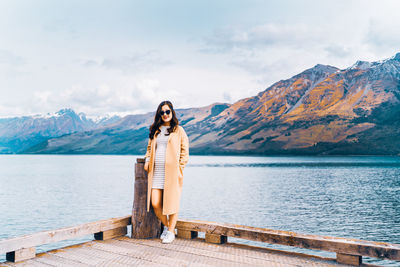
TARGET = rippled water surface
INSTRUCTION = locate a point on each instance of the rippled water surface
(356, 197)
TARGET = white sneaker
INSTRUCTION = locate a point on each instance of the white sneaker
(164, 233)
(169, 237)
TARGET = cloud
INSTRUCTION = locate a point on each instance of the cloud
(63, 25)
(90, 63)
(133, 98)
(61, 28)
(11, 65)
(336, 50)
(270, 48)
(94, 100)
(379, 36)
(10, 59)
(8, 110)
(253, 66)
(275, 51)
(227, 97)
(267, 71)
(136, 62)
(228, 39)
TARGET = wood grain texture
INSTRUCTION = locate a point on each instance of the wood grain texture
(348, 259)
(21, 254)
(216, 239)
(144, 224)
(187, 234)
(105, 235)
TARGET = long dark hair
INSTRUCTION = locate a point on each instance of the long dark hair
(158, 120)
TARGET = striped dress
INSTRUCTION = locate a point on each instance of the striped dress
(159, 163)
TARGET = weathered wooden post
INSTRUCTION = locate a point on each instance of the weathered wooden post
(144, 224)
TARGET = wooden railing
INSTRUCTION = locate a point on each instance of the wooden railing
(348, 251)
(145, 225)
(23, 247)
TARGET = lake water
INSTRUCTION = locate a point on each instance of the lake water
(356, 197)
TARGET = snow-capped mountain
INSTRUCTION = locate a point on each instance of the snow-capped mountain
(22, 132)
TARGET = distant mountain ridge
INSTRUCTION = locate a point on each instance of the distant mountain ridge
(320, 111)
(20, 133)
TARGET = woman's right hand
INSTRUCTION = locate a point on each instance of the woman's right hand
(146, 166)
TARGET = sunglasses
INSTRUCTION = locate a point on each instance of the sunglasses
(166, 112)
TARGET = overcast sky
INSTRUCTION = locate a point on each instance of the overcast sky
(124, 57)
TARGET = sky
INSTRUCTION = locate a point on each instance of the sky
(125, 57)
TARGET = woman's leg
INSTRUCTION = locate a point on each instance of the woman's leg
(172, 222)
(156, 201)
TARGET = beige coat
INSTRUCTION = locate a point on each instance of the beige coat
(176, 157)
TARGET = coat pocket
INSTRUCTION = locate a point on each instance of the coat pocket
(180, 176)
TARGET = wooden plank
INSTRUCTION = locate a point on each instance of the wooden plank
(135, 252)
(226, 255)
(288, 257)
(190, 255)
(187, 234)
(21, 254)
(26, 263)
(82, 255)
(45, 237)
(54, 260)
(216, 239)
(121, 231)
(348, 259)
(333, 244)
(125, 251)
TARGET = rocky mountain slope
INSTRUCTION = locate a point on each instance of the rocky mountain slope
(323, 110)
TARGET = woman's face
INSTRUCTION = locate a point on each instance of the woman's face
(166, 117)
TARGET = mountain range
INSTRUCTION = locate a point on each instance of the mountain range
(323, 110)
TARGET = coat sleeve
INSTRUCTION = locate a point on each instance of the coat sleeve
(184, 155)
(147, 156)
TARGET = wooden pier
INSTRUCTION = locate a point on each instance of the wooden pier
(112, 247)
(125, 251)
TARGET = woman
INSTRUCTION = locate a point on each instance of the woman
(166, 157)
